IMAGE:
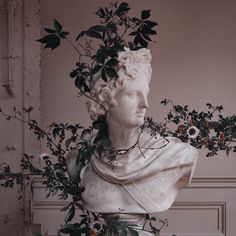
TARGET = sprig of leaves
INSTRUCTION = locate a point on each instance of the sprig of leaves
(102, 42)
(53, 39)
(216, 132)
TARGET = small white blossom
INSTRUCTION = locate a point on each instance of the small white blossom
(193, 132)
(97, 225)
(43, 155)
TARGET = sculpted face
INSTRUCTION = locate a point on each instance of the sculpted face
(131, 104)
(124, 100)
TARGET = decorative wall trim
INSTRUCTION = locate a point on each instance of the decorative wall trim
(213, 182)
(197, 182)
(31, 87)
(219, 207)
(11, 9)
(49, 205)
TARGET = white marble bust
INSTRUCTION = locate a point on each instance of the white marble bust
(147, 178)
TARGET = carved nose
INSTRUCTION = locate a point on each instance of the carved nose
(143, 102)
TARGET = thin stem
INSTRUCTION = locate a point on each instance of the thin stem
(126, 28)
(88, 45)
(76, 49)
(82, 46)
(35, 126)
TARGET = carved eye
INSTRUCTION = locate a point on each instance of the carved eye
(131, 94)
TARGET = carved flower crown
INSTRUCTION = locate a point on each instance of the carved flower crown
(103, 48)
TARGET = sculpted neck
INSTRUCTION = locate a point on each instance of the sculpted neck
(122, 137)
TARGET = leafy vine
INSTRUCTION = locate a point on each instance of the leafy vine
(101, 44)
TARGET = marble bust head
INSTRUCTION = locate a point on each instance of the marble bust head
(124, 100)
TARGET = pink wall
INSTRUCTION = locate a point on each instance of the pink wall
(193, 60)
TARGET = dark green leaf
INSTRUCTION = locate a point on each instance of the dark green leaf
(112, 52)
(66, 207)
(81, 34)
(132, 232)
(146, 37)
(79, 205)
(68, 141)
(51, 41)
(150, 23)
(86, 88)
(111, 72)
(131, 45)
(178, 108)
(50, 31)
(112, 62)
(101, 13)
(113, 27)
(103, 74)
(119, 229)
(83, 221)
(100, 150)
(145, 14)
(73, 74)
(96, 69)
(81, 84)
(106, 143)
(165, 102)
(37, 234)
(57, 25)
(148, 30)
(209, 105)
(55, 132)
(139, 40)
(85, 132)
(123, 7)
(93, 34)
(98, 28)
(66, 231)
(63, 34)
(70, 214)
(133, 33)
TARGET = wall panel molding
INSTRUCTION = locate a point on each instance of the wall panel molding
(213, 182)
(212, 208)
(197, 182)
(12, 6)
(31, 92)
(218, 207)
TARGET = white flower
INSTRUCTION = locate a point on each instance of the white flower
(44, 155)
(97, 225)
(193, 132)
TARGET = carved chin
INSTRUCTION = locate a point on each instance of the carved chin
(137, 122)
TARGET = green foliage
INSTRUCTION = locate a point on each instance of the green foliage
(53, 39)
(216, 132)
(102, 42)
(37, 234)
